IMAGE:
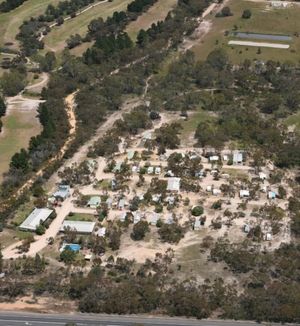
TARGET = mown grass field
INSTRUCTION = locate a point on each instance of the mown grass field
(56, 39)
(80, 217)
(157, 12)
(264, 20)
(18, 128)
(11, 21)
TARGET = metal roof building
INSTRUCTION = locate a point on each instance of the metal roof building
(37, 216)
(173, 184)
(63, 192)
(78, 226)
(94, 202)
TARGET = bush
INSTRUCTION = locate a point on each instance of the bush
(197, 211)
(225, 12)
(139, 230)
(247, 14)
(40, 229)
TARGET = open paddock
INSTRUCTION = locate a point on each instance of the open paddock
(264, 21)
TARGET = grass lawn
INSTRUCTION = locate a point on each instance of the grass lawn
(18, 128)
(55, 40)
(79, 50)
(264, 20)
(22, 213)
(11, 21)
(157, 12)
(80, 217)
(191, 124)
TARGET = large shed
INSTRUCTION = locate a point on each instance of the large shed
(37, 216)
(78, 226)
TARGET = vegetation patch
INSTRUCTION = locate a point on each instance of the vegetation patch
(80, 217)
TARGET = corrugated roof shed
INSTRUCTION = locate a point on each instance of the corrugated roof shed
(37, 216)
(78, 226)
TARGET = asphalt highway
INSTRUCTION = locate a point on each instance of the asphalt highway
(32, 319)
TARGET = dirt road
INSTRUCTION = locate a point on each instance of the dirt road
(41, 241)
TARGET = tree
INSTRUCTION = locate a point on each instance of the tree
(20, 161)
(271, 103)
(60, 20)
(48, 62)
(114, 238)
(218, 59)
(68, 256)
(2, 107)
(225, 12)
(167, 135)
(171, 233)
(12, 83)
(1, 261)
(247, 14)
(73, 41)
(40, 229)
(139, 230)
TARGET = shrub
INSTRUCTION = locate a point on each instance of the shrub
(197, 211)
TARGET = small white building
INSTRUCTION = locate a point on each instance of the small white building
(37, 216)
(122, 217)
(63, 192)
(197, 225)
(136, 217)
(209, 188)
(154, 218)
(157, 170)
(94, 202)
(214, 158)
(272, 195)
(216, 192)
(279, 4)
(170, 219)
(150, 170)
(173, 184)
(268, 237)
(244, 193)
(246, 228)
(147, 135)
(262, 176)
(156, 198)
(101, 232)
(237, 157)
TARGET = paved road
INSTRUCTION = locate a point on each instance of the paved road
(30, 319)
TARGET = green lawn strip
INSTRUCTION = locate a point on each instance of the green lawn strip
(80, 217)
